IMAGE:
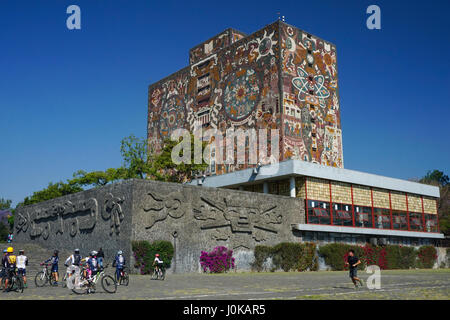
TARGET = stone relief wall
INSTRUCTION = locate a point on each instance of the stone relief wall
(199, 218)
(193, 218)
(87, 220)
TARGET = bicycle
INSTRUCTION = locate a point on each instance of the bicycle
(84, 285)
(44, 276)
(159, 274)
(16, 282)
(124, 278)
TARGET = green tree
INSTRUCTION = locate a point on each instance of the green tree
(441, 180)
(98, 178)
(164, 169)
(5, 204)
(134, 153)
(54, 190)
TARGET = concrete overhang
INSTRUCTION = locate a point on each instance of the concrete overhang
(303, 168)
(366, 231)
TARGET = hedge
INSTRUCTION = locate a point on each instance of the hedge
(386, 257)
(144, 254)
(287, 256)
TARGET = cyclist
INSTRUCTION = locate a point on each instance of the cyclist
(119, 263)
(9, 262)
(92, 263)
(3, 271)
(22, 262)
(54, 261)
(75, 261)
(157, 263)
(91, 266)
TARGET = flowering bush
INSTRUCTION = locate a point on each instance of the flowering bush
(217, 261)
(427, 256)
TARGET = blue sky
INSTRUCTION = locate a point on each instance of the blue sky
(67, 97)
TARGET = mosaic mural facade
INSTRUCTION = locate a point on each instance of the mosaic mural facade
(276, 78)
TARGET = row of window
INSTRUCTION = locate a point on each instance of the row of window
(363, 217)
(312, 236)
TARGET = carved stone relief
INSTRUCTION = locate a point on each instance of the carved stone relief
(231, 219)
(157, 208)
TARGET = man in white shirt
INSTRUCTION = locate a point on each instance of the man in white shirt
(21, 264)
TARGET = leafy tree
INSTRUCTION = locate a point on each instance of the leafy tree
(98, 178)
(54, 190)
(164, 169)
(441, 180)
(5, 204)
(134, 154)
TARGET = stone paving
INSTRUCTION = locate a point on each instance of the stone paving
(403, 284)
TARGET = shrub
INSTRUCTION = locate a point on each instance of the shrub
(144, 254)
(427, 256)
(335, 254)
(287, 256)
(217, 261)
(400, 257)
(261, 254)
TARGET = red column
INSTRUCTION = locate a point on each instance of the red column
(331, 204)
(407, 212)
(390, 209)
(373, 216)
(306, 198)
(423, 215)
(437, 215)
(353, 208)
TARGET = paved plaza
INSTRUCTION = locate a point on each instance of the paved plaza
(401, 284)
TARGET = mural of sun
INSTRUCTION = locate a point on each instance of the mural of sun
(241, 94)
(172, 115)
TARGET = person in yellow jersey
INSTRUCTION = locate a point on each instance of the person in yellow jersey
(9, 263)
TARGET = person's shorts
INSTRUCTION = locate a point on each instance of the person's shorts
(353, 273)
(54, 268)
(22, 272)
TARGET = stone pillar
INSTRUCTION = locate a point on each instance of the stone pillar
(265, 187)
(292, 187)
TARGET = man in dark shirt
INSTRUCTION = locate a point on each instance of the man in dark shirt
(352, 262)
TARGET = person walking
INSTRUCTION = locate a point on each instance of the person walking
(353, 262)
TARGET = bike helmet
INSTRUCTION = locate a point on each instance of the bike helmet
(21, 251)
(5, 251)
(119, 252)
(10, 250)
(55, 252)
(77, 250)
(93, 253)
(157, 255)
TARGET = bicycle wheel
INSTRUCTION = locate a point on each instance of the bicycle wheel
(81, 288)
(154, 275)
(125, 279)
(109, 284)
(19, 283)
(40, 279)
(162, 274)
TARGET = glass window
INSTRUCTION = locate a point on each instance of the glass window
(382, 218)
(431, 223)
(342, 215)
(415, 221)
(399, 221)
(318, 212)
(363, 217)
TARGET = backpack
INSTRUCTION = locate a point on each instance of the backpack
(11, 260)
(76, 259)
